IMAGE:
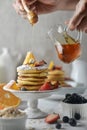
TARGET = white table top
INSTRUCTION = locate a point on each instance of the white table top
(50, 106)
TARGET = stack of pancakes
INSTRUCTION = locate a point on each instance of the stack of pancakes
(31, 79)
(31, 75)
(55, 75)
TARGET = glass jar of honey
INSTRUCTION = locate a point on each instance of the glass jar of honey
(68, 48)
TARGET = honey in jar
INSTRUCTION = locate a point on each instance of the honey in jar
(68, 48)
(68, 52)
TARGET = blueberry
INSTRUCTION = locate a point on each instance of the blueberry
(72, 122)
(66, 101)
(67, 95)
(65, 119)
(58, 125)
(84, 100)
(79, 99)
(74, 98)
(74, 94)
(70, 99)
(77, 116)
(23, 89)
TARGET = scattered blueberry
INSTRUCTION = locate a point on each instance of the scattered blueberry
(67, 95)
(23, 89)
(72, 122)
(77, 116)
(65, 119)
(58, 125)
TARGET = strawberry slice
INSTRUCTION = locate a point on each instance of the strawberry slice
(45, 86)
(58, 67)
(52, 118)
(54, 84)
(1, 107)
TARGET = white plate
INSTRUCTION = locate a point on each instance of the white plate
(76, 88)
(27, 95)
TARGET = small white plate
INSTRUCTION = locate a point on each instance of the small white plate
(76, 88)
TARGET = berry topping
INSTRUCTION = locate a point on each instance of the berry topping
(45, 86)
(23, 89)
(72, 122)
(65, 119)
(77, 116)
(74, 99)
(67, 95)
(52, 118)
(41, 63)
(58, 125)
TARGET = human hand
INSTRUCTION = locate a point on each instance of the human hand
(79, 19)
(39, 7)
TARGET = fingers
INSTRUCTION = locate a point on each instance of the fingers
(28, 2)
(19, 8)
(80, 13)
(49, 2)
(83, 25)
(29, 5)
(18, 4)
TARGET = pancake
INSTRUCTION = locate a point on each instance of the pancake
(20, 82)
(41, 75)
(54, 78)
(56, 72)
(30, 88)
(32, 71)
(55, 75)
(31, 79)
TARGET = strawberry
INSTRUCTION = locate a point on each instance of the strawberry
(52, 118)
(54, 84)
(41, 63)
(58, 67)
(45, 86)
(1, 107)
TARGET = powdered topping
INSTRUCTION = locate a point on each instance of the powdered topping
(27, 67)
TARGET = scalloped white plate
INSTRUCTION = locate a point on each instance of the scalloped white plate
(25, 95)
(76, 88)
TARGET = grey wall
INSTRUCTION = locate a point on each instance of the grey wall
(16, 33)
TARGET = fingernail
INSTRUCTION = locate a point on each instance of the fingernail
(71, 27)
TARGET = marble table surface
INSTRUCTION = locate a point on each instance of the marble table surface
(51, 105)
